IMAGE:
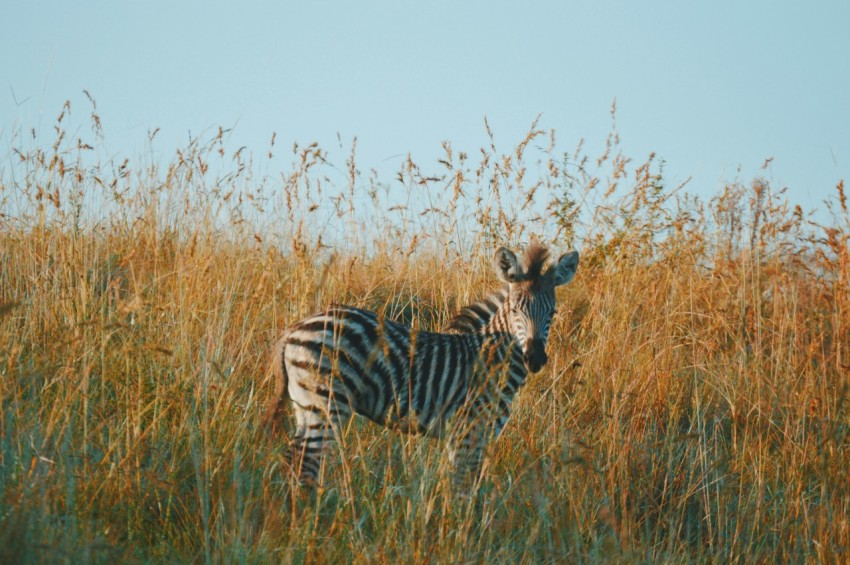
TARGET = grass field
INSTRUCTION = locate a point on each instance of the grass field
(694, 408)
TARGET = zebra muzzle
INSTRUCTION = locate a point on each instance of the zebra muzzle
(535, 355)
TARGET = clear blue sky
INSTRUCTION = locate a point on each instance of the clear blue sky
(708, 86)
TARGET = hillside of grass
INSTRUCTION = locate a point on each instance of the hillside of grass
(694, 407)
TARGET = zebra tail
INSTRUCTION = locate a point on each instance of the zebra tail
(274, 419)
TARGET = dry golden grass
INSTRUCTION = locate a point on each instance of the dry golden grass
(694, 407)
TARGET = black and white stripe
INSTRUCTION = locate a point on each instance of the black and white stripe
(459, 385)
(474, 318)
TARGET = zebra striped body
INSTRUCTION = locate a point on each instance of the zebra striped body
(459, 385)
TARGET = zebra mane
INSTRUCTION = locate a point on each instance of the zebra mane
(475, 316)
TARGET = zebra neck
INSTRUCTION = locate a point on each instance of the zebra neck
(477, 317)
(499, 324)
(501, 351)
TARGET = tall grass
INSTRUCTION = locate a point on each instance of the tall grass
(694, 407)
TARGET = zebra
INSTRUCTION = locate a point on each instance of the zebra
(458, 384)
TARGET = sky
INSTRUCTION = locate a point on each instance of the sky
(713, 88)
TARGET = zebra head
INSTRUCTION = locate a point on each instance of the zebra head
(530, 305)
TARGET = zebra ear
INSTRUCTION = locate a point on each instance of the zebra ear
(507, 266)
(566, 268)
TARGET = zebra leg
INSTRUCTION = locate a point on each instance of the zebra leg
(307, 445)
(467, 448)
(316, 430)
(477, 423)
(466, 456)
